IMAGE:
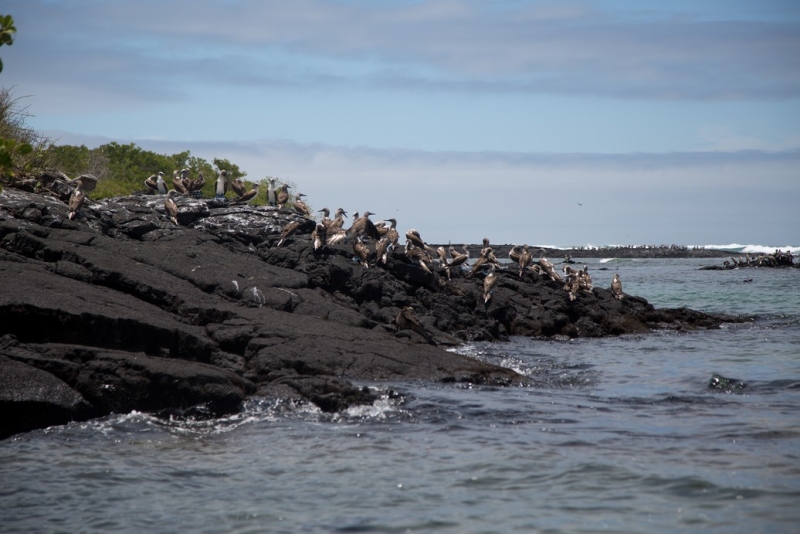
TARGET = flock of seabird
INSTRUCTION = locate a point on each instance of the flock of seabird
(330, 231)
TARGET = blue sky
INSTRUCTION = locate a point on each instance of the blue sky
(463, 119)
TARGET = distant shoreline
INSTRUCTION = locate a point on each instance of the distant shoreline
(607, 252)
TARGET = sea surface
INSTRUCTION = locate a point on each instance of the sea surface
(620, 435)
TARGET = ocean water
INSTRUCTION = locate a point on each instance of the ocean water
(619, 435)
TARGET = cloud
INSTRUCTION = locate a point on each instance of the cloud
(442, 45)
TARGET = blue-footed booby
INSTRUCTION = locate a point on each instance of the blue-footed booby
(488, 284)
(180, 181)
(238, 187)
(406, 320)
(300, 206)
(272, 198)
(382, 250)
(616, 287)
(363, 226)
(288, 231)
(152, 182)
(248, 197)
(283, 196)
(362, 251)
(76, 200)
(222, 184)
(170, 207)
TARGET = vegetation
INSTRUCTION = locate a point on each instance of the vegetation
(120, 168)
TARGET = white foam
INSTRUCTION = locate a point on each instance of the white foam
(753, 249)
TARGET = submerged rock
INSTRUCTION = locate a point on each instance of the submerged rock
(121, 310)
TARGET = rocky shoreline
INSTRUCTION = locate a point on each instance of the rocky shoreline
(121, 310)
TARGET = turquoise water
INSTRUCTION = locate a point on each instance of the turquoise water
(619, 435)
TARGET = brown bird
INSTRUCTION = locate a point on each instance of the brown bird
(419, 255)
(155, 183)
(392, 235)
(198, 183)
(362, 251)
(488, 285)
(572, 285)
(288, 231)
(406, 320)
(283, 196)
(484, 261)
(238, 187)
(616, 287)
(414, 237)
(76, 200)
(318, 236)
(382, 250)
(300, 206)
(170, 207)
(338, 220)
(458, 259)
(247, 197)
(523, 258)
(180, 181)
(363, 226)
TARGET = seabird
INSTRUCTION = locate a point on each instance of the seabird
(488, 285)
(198, 183)
(288, 231)
(76, 200)
(248, 197)
(152, 182)
(413, 252)
(585, 279)
(170, 207)
(548, 268)
(487, 258)
(616, 287)
(406, 320)
(318, 236)
(392, 235)
(382, 249)
(300, 206)
(238, 187)
(572, 286)
(523, 258)
(414, 237)
(271, 196)
(178, 182)
(283, 196)
(363, 226)
(362, 251)
(457, 260)
(222, 184)
(338, 220)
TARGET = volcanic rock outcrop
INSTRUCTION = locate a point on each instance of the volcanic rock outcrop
(121, 310)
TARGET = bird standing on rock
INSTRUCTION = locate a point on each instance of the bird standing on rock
(300, 206)
(488, 285)
(170, 207)
(616, 287)
(76, 200)
(222, 184)
(362, 251)
(283, 196)
(155, 183)
(248, 197)
(406, 320)
(288, 231)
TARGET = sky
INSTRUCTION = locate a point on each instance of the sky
(569, 123)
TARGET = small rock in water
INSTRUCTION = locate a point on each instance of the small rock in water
(726, 384)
